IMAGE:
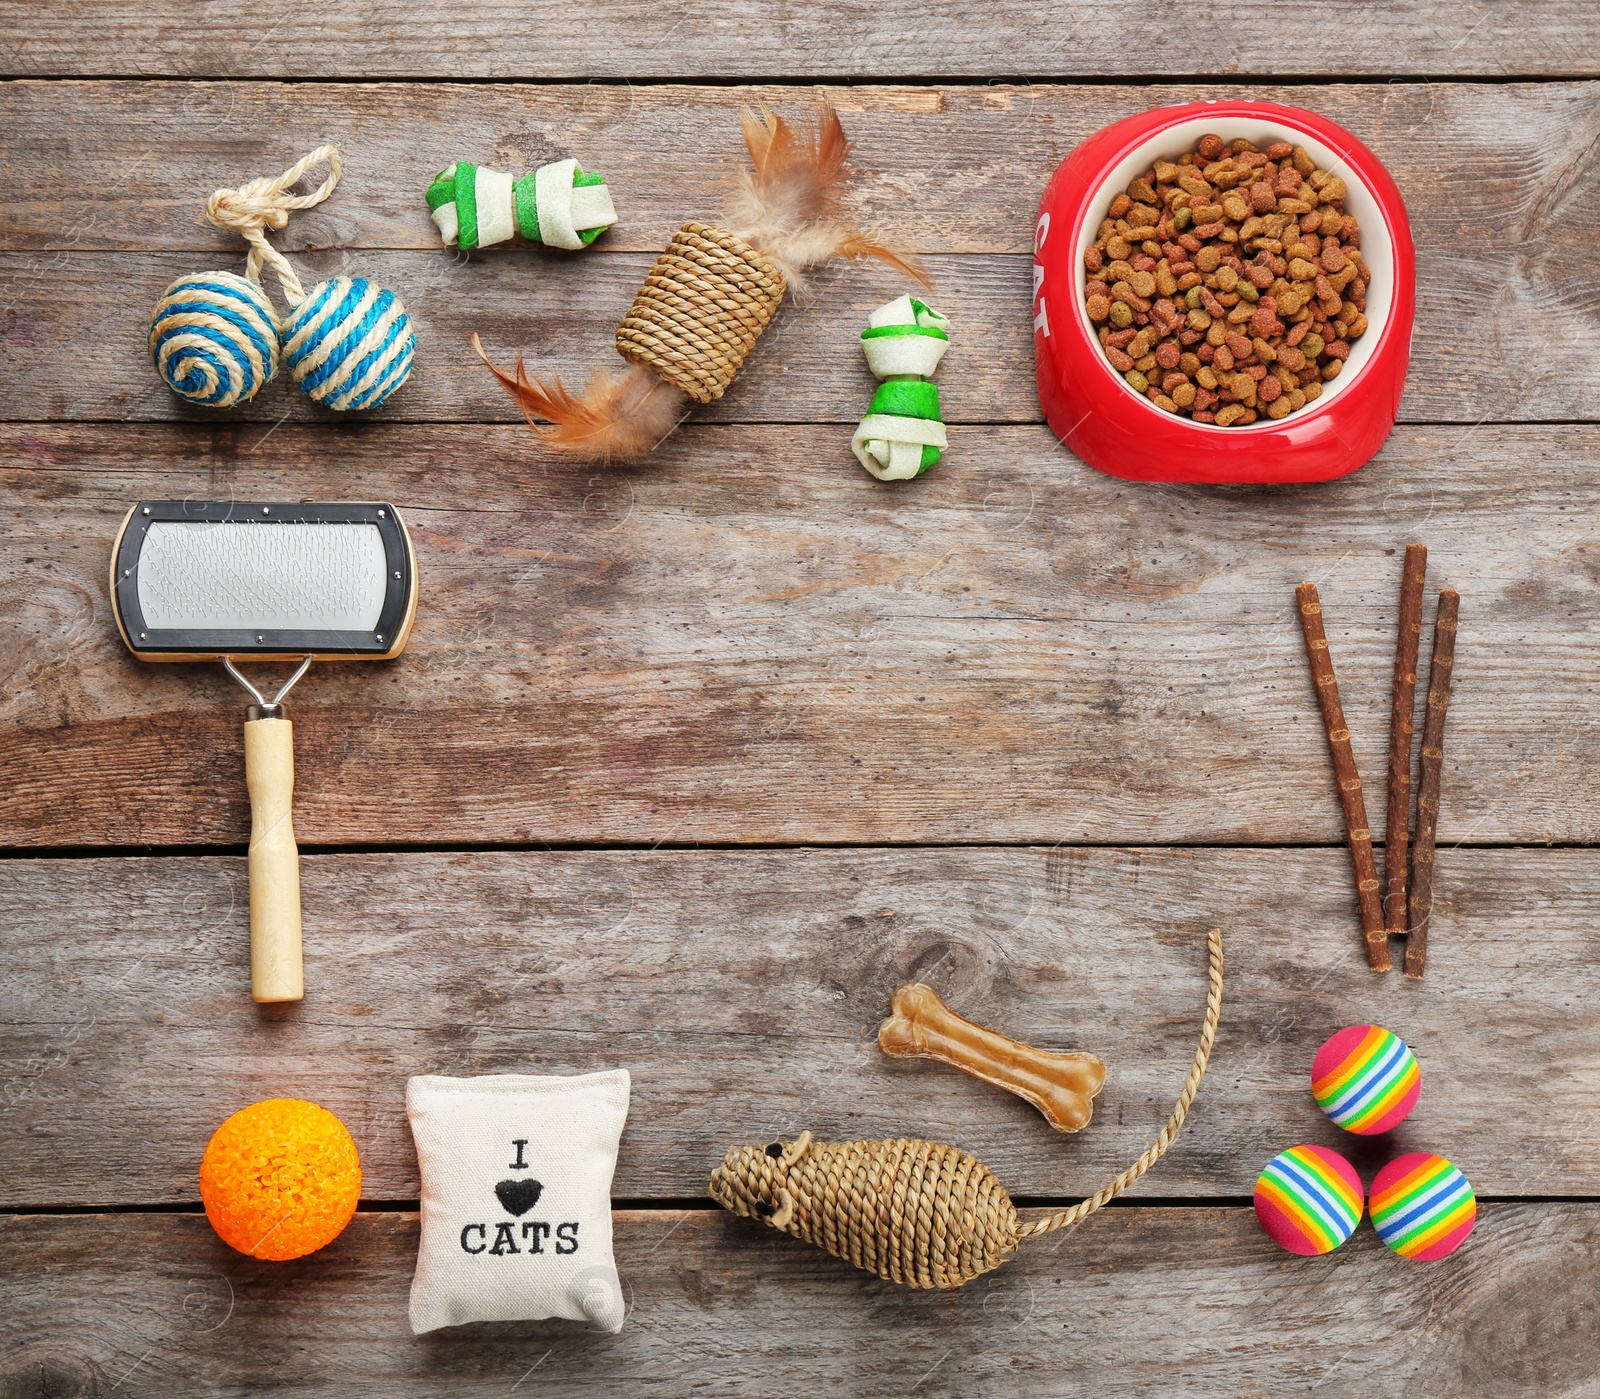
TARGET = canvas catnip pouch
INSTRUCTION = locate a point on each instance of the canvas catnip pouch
(516, 1197)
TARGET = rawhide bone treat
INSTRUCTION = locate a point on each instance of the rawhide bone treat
(1228, 284)
(1061, 1086)
(709, 296)
(559, 205)
(903, 434)
(916, 1212)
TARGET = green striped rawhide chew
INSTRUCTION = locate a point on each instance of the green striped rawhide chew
(902, 434)
(557, 204)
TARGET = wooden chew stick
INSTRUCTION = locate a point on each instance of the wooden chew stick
(1397, 823)
(1440, 669)
(1348, 779)
(1061, 1086)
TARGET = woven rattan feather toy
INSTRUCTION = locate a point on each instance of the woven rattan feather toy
(709, 297)
(916, 1212)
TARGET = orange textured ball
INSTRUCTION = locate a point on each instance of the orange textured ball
(280, 1179)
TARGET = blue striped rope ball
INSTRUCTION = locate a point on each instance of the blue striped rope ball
(349, 344)
(214, 338)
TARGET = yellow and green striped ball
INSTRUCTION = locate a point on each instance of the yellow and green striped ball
(1308, 1199)
(1366, 1079)
(1422, 1206)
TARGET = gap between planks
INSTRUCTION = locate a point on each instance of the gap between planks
(1298, 79)
(712, 847)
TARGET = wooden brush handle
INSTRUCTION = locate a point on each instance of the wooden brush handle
(275, 970)
(1061, 1086)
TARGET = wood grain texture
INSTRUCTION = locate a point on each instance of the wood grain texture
(743, 991)
(747, 639)
(954, 169)
(110, 178)
(1191, 1301)
(840, 38)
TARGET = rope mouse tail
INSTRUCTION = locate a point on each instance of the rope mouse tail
(266, 203)
(1157, 1149)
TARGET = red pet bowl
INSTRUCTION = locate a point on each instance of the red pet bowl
(1100, 417)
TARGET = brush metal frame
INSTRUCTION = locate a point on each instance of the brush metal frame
(265, 708)
(386, 639)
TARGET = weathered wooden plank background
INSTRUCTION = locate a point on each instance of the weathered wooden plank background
(620, 39)
(1020, 729)
(1136, 1301)
(744, 989)
(742, 640)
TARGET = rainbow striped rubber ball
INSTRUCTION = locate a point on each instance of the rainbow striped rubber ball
(1308, 1199)
(1422, 1206)
(1366, 1079)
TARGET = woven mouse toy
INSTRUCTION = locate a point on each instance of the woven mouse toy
(709, 296)
(915, 1212)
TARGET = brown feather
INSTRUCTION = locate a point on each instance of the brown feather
(619, 417)
(787, 206)
(861, 245)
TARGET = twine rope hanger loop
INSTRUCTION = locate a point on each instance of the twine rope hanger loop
(265, 203)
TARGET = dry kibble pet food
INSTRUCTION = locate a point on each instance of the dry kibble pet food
(1229, 284)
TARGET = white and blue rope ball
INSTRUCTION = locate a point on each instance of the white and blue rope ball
(349, 344)
(214, 338)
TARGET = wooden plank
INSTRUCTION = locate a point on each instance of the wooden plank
(112, 176)
(1162, 1299)
(624, 39)
(951, 169)
(747, 639)
(743, 991)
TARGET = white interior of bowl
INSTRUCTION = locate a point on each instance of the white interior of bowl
(1377, 248)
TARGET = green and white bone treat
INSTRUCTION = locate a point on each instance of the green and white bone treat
(557, 204)
(902, 435)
